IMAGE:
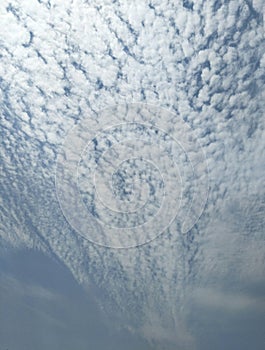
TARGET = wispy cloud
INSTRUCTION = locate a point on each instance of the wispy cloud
(8, 282)
(228, 301)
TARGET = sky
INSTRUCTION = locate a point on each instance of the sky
(138, 87)
(42, 306)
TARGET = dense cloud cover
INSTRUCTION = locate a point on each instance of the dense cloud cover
(63, 61)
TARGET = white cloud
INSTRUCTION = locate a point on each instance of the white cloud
(228, 302)
(163, 61)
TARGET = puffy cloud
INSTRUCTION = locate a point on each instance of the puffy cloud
(64, 61)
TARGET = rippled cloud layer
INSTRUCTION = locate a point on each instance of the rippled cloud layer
(202, 61)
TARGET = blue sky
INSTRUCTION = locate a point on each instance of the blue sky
(42, 306)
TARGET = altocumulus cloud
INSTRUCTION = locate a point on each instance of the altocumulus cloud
(205, 60)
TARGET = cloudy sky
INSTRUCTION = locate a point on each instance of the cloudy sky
(61, 64)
